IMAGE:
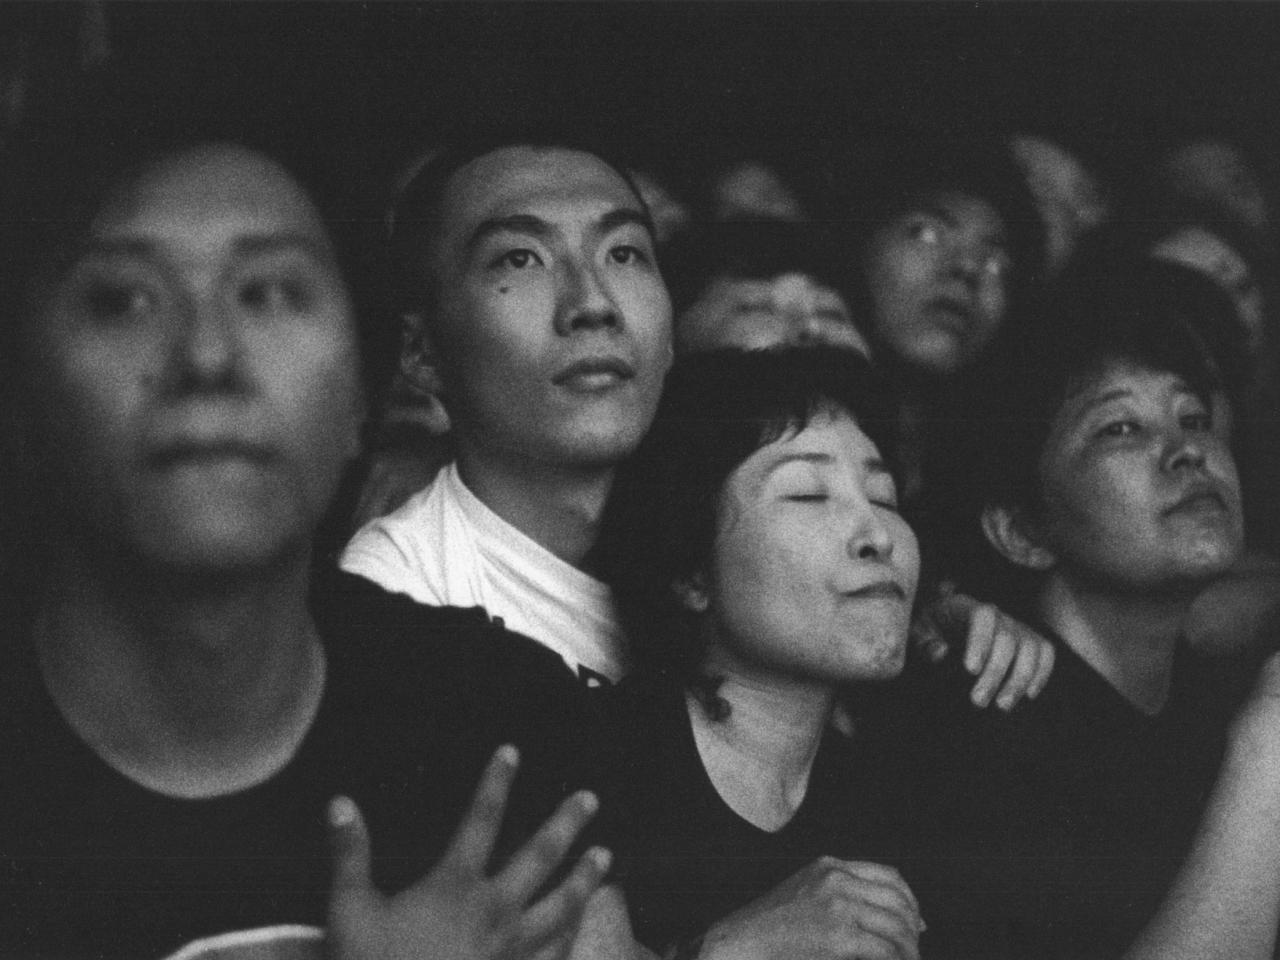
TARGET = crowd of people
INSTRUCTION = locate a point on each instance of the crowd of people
(862, 555)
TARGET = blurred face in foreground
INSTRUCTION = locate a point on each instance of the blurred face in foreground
(196, 367)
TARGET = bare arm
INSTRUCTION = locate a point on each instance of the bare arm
(1225, 902)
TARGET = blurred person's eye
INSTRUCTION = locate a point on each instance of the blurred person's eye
(117, 302)
(276, 293)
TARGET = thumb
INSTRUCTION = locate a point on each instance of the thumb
(349, 847)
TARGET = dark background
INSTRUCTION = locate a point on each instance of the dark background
(1110, 78)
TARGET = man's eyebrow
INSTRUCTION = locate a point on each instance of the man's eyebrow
(624, 216)
(516, 223)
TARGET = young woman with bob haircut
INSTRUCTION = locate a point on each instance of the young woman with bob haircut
(761, 565)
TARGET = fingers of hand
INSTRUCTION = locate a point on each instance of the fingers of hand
(888, 925)
(1026, 665)
(880, 875)
(1044, 669)
(1003, 650)
(981, 637)
(866, 945)
(534, 862)
(557, 914)
(349, 846)
(476, 834)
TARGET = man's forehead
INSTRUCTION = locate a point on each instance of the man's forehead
(522, 179)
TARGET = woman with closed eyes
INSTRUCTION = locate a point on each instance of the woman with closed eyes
(761, 564)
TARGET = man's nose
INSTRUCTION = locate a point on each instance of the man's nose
(585, 301)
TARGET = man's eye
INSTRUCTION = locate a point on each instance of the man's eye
(518, 259)
(627, 253)
(810, 497)
(119, 301)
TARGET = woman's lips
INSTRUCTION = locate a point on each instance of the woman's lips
(594, 374)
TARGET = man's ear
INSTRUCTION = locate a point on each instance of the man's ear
(692, 593)
(1010, 532)
(419, 360)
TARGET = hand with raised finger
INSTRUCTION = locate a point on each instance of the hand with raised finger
(828, 910)
(457, 911)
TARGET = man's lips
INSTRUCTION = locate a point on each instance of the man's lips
(1199, 500)
(594, 373)
(191, 450)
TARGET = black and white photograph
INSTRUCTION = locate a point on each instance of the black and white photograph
(735, 480)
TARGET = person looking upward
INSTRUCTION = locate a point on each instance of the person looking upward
(530, 289)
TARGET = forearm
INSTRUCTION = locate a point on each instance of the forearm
(1225, 902)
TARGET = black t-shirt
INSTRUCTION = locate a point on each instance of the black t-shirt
(1054, 831)
(416, 699)
(684, 858)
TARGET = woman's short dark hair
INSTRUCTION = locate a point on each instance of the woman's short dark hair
(1011, 398)
(660, 524)
(759, 250)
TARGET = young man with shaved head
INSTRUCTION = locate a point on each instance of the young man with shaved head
(531, 293)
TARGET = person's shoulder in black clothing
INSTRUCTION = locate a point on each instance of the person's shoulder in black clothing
(467, 683)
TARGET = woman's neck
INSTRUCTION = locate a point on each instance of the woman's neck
(1129, 640)
(221, 678)
(759, 757)
(556, 507)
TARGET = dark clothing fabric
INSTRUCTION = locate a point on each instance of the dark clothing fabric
(1053, 832)
(416, 699)
(685, 858)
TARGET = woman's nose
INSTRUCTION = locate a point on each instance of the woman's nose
(870, 539)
